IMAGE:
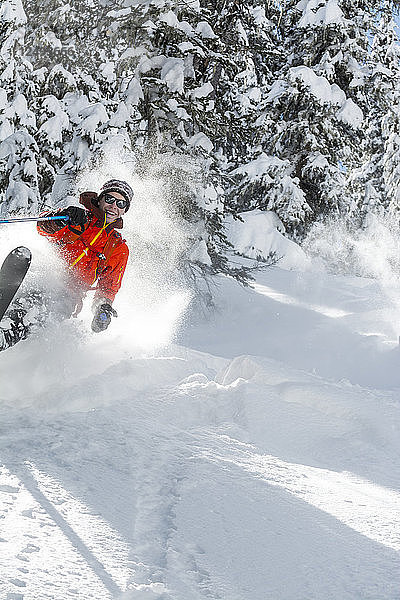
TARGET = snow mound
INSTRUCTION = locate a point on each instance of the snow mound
(260, 234)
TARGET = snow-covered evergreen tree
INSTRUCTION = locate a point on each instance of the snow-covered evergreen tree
(257, 178)
(139, 76)
(189, 82)
(380, 174)
(313, 111)
(235, 105)
(19, 189)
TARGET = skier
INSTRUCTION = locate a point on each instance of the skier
(94, 253)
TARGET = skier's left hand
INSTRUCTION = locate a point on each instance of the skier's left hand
(102, 317)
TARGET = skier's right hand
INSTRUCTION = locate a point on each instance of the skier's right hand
(102, 317)
(77, 215)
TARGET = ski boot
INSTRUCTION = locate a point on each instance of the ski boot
(13, 328)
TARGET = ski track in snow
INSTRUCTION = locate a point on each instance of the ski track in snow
(188, 476)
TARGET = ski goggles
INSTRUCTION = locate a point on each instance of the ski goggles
(120, 202)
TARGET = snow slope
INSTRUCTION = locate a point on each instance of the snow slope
(255, 458)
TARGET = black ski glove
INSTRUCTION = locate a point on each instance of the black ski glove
(77, 216)
(102, 317)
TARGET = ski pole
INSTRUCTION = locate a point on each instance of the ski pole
(23, 219)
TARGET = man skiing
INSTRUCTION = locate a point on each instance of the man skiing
(94, 253)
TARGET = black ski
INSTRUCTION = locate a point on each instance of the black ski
(12, 273)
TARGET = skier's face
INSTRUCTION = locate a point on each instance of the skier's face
(109, 208)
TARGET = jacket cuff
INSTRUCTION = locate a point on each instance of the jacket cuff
(98, 301)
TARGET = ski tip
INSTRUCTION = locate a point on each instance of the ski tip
(22, 252)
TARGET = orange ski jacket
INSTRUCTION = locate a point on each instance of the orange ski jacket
(94, 252)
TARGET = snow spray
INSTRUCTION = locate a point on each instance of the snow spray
(154, 295)
(372, 252)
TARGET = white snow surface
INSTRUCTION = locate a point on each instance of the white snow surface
(250, 452)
